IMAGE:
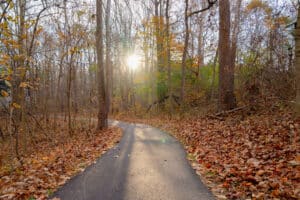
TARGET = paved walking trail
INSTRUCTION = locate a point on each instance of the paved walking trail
(147, 164)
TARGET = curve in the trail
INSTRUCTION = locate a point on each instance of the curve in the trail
(147, 164)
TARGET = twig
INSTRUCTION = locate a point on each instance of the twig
(219, 114)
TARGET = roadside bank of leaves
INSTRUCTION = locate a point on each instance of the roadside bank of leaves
(257, 157)
(44, 171)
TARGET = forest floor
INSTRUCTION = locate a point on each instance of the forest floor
(48, 162)
(238, 156)
(147, 164)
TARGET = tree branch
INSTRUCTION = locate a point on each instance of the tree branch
(4, 11)
(210, 4)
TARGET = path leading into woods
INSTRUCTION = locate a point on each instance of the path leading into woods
(147, 164)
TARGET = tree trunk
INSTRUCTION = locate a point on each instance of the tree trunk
(235, 32)
(108, 63)
(212, 87)
(102, 113)
(168, 41)
(200, 49)
(184, 55)
(18, 92)
(69, 84)
(158, 22)
(297, 64)
(226, 72)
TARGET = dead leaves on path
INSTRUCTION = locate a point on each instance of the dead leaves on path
(255, 158)
(44, 171)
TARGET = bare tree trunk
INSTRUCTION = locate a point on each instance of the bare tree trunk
(168, 53)
(57, 96)
(159, 49)
(200, 49)
(108, 63)
(17, 93)
(235, 32)
(69, 85)
(212, 87)
(185, 51)
(226, 74)
(297, 64)
(102, 114)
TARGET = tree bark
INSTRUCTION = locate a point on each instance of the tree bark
(235, 32)
(102, 112)
(168, 45)
(108, 64)
(297, 64)
(226, 72)
(158, 22)
(185, 51)
(212, 87)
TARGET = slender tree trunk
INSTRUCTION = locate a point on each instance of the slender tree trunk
(102, 113)
(234, 41)
(147, 65)
(185, 51)
(297, 64)
(108, 63)
(168, 41)
(18, 92)
(212, 87)
(200, 49)
(235, 32)
(69, 85)
(226, 73)
(159, 49)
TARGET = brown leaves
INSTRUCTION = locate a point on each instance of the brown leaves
(51, 167)
(257, 158)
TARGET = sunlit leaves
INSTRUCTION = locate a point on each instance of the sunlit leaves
(16, 106)
(8, 84)
(11, 4)
(4, 93)
(52, 165)
(24, 85)
(80, 13)
(259, 4)
(253, 158)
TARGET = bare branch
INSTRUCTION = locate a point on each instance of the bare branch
(210, 4)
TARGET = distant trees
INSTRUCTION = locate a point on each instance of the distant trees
(56, 64)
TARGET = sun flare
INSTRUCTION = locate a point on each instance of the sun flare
(133, 61)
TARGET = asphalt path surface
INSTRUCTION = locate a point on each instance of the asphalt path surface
(147, 164)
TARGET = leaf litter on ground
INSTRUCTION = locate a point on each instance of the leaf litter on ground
(43, 171)
(248, 157)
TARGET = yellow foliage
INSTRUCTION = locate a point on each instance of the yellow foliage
(256, 4)
(4, 93)
(24, 85)
(15, 105)
(5, 57)
(18, 57)
(11, 5)
(39, 30)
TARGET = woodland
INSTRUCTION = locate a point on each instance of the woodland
(221, 76)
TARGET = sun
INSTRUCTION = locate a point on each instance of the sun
(133, 61)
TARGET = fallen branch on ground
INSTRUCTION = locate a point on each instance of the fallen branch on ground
(162, 100)
(223, 113)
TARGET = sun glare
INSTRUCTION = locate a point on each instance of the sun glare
(133, 61)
